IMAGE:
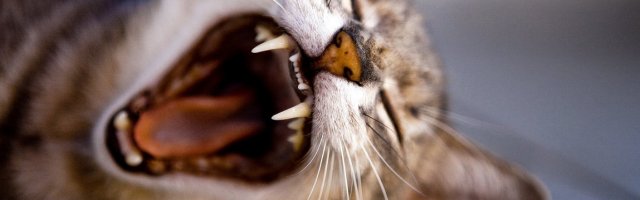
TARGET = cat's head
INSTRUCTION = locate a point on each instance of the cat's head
(254, 99)
(356, 74)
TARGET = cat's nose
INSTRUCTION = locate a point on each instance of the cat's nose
(341, 58)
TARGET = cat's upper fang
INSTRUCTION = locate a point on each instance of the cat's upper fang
(298, 111)
(281, 42)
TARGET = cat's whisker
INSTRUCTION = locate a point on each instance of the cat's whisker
(281, 42)
(354, 173)
(324, 176)
(331, 174)
(359, 176)
(313, 157)
(439, 124)
(387, 143)
(467, 119)
(375, 172)
(396, 154)
(344, 169)
(391, 168)
(324, 146)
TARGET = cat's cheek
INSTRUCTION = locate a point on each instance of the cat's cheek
(338, 106)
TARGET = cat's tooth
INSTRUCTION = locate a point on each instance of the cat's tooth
(301, 110)
(263, 34)
(281, 42)
(132, 155)
(294, 57)
(296, 141)
(296, 124)
(200, 163)
(179, 165)
(156, 166)
(296, 68)
(133, 159)
(303, 86)
(122, 122)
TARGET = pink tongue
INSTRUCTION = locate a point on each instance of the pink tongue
(194, 125)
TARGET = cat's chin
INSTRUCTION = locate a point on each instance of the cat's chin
(223, 111)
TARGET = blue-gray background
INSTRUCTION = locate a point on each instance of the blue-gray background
(552, 85)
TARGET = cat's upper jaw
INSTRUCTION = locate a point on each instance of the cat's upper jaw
(174, 27)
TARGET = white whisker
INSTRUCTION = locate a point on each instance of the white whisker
(446, 128)
(467, 120)
(313, 157)
(359, 178)
(324, 176)
(280, 5)
(344, 169)
(331, 168)
(375, 172)
(318, 172)
(390, 168)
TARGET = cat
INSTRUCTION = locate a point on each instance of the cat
(243, 99)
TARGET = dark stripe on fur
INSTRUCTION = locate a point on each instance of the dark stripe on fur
(106, 15)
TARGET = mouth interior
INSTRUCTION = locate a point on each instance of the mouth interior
(210, 115)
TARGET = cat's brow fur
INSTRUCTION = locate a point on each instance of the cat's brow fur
(65, 65)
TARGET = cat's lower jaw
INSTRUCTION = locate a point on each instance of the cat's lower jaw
(221, 112)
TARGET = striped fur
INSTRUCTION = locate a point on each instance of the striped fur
(64, 63)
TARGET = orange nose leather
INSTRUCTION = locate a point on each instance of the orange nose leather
(194, 126)
(341, 58)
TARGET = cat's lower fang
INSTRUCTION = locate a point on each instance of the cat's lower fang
(301, 110)
(281, 42)
(131, 154)
(122, 122)
(296, 124)
(297, 139)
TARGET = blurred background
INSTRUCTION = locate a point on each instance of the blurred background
(552, 85)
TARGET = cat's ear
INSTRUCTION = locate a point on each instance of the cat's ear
(451, 168)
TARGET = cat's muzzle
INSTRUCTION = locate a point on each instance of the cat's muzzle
(229, 107)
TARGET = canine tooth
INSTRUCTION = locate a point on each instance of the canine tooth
(296, 140)
(281, 42)
(296, 124)
(294, 57)
(263, 34)
(122, 121)
(303, 86)
(301, 110)
(134, 159)
(132, 156)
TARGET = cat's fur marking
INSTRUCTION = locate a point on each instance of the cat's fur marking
(66, 66)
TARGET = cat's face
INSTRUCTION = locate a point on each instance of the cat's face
(250, 99)
(340, 64)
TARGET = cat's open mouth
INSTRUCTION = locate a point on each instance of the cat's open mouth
(212, 113)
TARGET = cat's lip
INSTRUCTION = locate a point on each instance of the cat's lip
(222, 58)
